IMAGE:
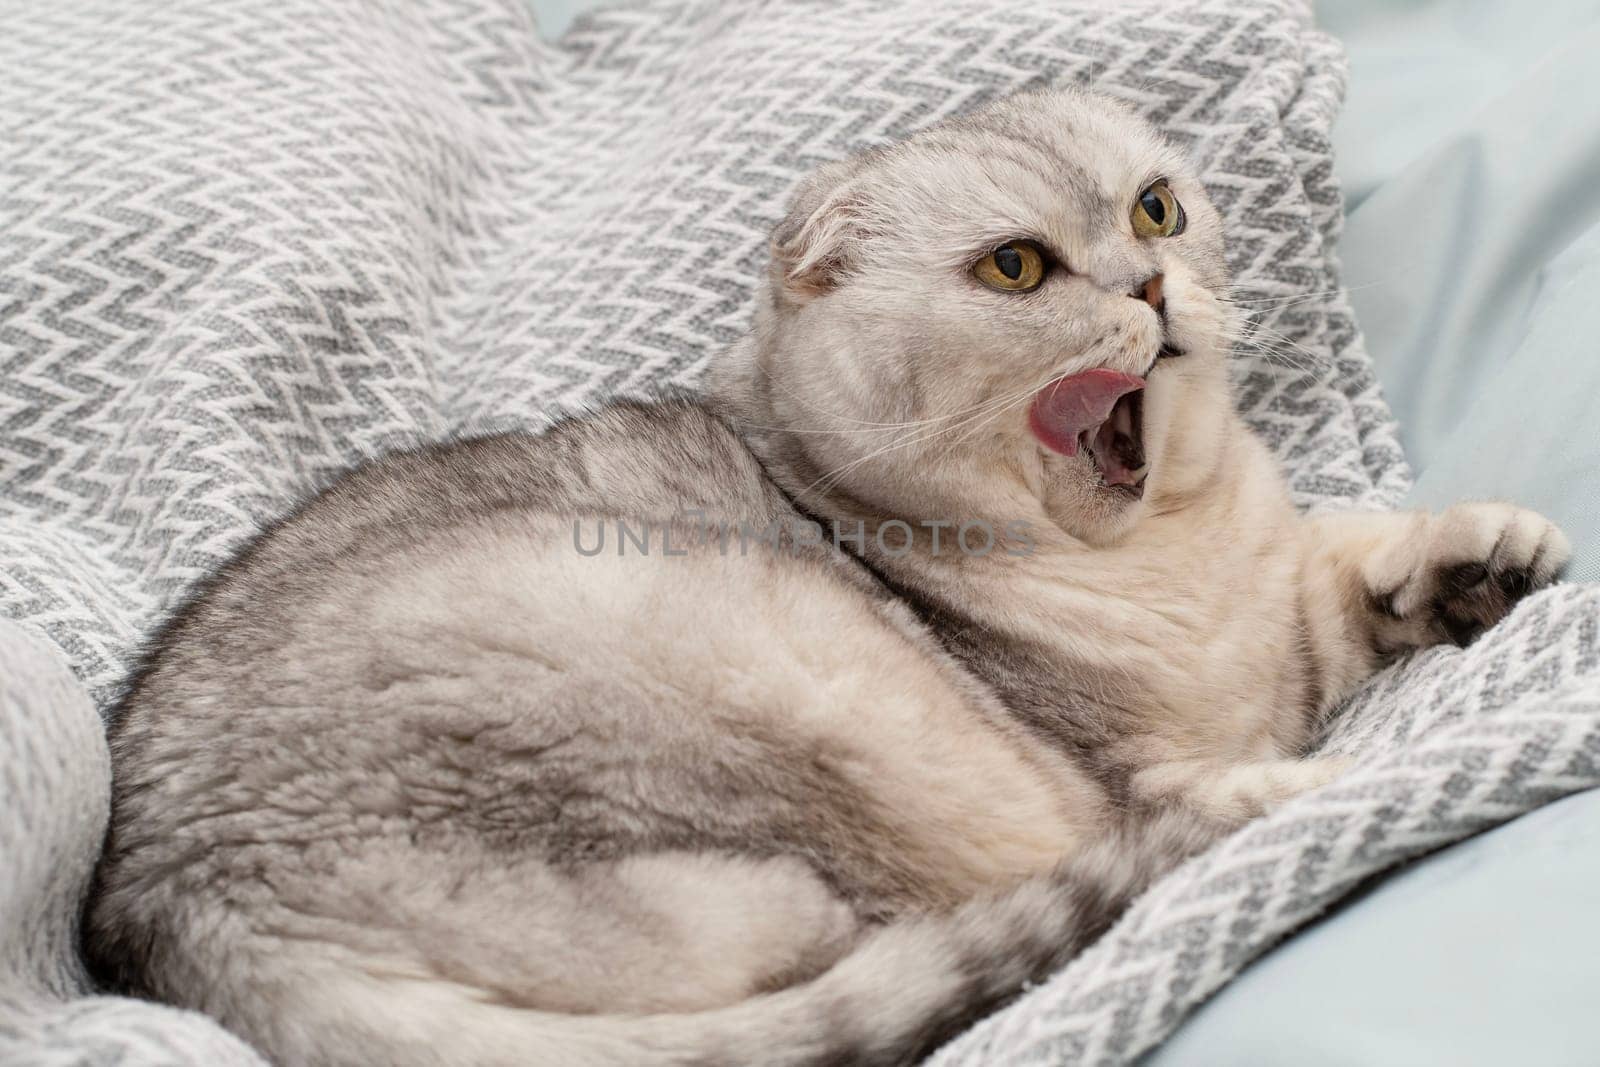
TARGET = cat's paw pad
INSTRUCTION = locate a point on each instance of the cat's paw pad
(1477, 561)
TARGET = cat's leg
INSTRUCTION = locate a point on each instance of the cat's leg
(1237, 791)
(1381, 584)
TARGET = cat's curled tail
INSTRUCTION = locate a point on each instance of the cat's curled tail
(905, 989)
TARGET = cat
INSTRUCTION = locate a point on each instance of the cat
(801, 723)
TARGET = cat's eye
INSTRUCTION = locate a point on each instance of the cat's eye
(1157, 212)
(1015, 267)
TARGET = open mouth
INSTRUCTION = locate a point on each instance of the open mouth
(1101, 412)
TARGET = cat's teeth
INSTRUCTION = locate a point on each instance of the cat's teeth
(1140, 472)
(1122, 419)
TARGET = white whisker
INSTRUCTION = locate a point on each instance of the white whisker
(831, 479)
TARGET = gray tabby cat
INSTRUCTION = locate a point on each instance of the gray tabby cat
(424, 778)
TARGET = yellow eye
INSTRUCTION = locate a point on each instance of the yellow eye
(1015, 267)
(1157, 212)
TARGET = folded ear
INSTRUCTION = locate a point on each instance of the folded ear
(816, 242)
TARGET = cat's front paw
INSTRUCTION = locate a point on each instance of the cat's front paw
(1468, 568)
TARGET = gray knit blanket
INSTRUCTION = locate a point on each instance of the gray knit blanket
(245, 243)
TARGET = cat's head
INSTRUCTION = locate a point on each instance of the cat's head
(1029, 299)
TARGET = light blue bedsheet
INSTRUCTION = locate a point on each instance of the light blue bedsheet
(554, 16)
(1470, 153)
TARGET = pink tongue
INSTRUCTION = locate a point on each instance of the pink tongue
(1067, 407)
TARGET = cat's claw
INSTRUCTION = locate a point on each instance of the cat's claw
(1473, 564)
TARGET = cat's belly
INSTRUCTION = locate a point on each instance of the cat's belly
(1147, 654)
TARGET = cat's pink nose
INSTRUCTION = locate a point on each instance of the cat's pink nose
(1150, 292)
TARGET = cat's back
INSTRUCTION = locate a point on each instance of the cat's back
(638, 462)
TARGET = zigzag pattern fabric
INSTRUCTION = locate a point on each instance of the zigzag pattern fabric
(246, 243)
